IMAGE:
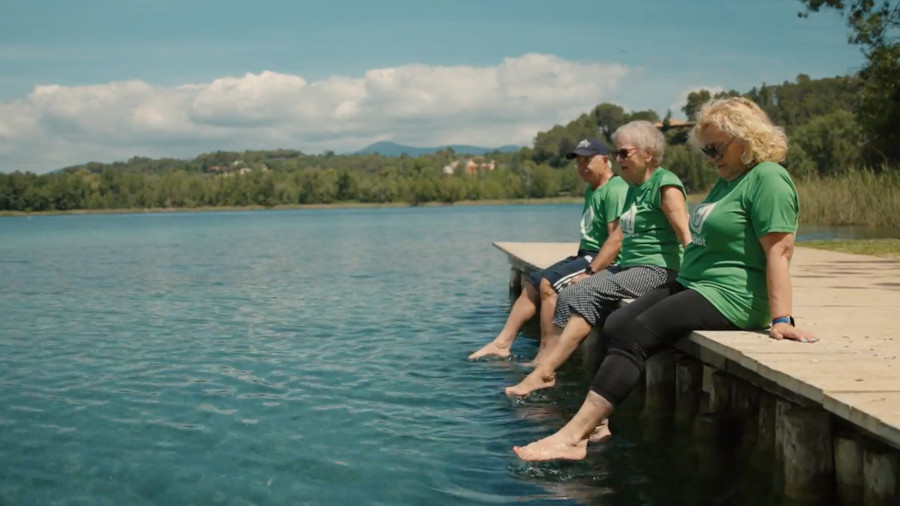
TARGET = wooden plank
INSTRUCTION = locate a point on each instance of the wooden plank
(537, 255)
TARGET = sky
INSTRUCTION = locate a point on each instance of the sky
(105, 80)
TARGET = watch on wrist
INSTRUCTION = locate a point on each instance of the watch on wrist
(588, 270)
(783, 319)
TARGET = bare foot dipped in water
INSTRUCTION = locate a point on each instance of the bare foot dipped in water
(534, 381)
(555, 447)
(600, 433)
(492, 349)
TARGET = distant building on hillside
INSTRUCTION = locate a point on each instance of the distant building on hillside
(450, 168)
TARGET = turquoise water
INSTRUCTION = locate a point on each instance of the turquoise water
(293, 357)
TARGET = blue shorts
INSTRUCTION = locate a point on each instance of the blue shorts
(560, 274)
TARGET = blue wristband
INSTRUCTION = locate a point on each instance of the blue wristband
(783, 319)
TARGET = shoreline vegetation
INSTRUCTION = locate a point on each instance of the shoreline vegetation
(856, 198)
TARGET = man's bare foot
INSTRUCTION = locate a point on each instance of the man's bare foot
(554, 447)
(600, 433)
(491, 349)
(534, 381)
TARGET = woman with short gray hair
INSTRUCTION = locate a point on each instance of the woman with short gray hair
(653, 230)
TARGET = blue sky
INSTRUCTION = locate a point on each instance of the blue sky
(110, 79)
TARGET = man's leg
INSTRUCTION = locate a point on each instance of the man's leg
(525, 307)
(549, 333)
(523, 310)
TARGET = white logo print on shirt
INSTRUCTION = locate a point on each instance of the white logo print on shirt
(698, 219)
(626, 221)
(587, 221)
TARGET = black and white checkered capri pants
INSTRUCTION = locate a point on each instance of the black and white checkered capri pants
(597, 296)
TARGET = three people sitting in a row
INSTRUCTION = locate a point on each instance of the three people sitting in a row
(724, 269)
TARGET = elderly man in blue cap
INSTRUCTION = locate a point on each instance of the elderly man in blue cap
(604, 199)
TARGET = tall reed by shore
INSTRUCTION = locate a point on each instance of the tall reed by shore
(858, 197)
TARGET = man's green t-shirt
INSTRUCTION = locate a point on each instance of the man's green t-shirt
(601, 207)
(726, 262)
(649, 238)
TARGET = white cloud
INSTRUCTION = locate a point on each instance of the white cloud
(507, 103)
(676, 106)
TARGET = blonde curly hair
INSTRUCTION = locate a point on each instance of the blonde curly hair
(743, 119)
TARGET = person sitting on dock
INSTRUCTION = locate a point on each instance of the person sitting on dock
(654, 229)
(604, 198)
(734, 276)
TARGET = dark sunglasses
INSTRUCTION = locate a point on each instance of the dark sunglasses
(715, 152)
(623, 153)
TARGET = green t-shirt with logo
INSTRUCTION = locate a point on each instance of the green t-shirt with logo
(601, 207)
(726, 262)
(649, 238)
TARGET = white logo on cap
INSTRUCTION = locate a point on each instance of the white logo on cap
(583, 144)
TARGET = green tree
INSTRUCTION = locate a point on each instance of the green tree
(875, 27)
(695, 100)
(832, 142)
(608, 118)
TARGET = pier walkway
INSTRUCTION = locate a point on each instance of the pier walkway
(851, 302)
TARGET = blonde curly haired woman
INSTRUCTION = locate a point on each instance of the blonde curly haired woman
(734, 274)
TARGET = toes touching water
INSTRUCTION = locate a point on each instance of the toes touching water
(555, 447)
(491, 350)
(534, 381)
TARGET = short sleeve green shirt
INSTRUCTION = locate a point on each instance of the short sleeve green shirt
(648, 235)
(601, 207)
(726, 262)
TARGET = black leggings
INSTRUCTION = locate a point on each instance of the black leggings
(639, 330)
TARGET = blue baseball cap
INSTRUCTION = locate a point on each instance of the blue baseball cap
(588, 147)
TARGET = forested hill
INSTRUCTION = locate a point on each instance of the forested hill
(820, 117)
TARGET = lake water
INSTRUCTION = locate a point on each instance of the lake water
(299, 357)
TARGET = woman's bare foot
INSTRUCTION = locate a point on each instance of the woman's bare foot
(541, 355)
(600, 433)
(534, 381)
(491, 349)
(555, 447)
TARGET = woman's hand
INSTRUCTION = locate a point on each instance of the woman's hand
(782, 330)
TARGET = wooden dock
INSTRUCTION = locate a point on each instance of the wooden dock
(852, 303)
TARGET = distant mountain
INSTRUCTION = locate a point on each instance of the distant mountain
(393, 149)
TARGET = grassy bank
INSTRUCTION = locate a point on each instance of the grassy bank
(858, 198)
(888, 248)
